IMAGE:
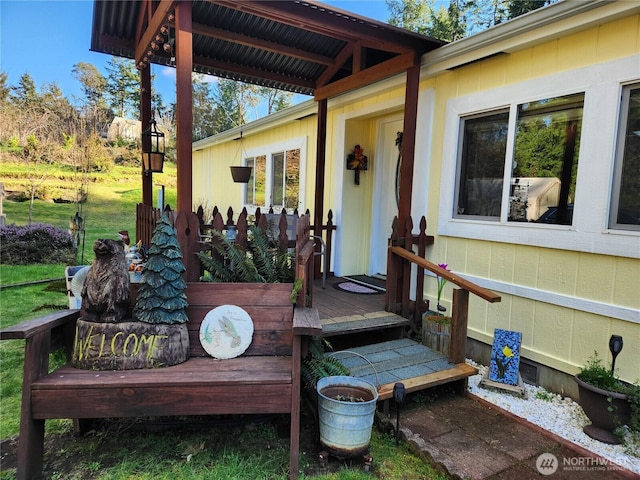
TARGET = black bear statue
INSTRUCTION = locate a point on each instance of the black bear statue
(106, 294)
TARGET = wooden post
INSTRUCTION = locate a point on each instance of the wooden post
(409, 140)
(184, 120)
(145, 115)
(36, 364)
(459, 314)
(321, 154)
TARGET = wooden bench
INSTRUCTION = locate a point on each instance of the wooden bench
(265, 379)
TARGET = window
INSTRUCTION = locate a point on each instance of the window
(545, 163)
(484, 143)
(625, 211)
(286, 179)
(599, 182)
(545, 144)
(275, 180)
(256, 188)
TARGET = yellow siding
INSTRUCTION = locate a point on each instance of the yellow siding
(557, 335)
(627, 283)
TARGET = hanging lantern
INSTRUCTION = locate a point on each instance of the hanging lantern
(152, 149)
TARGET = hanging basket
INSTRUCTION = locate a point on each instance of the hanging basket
(241, 174)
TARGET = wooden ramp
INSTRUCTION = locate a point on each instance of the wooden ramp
(403, 360)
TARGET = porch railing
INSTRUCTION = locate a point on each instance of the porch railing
(191, 231)
(401, 258)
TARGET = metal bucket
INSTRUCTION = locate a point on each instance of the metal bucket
(345, 426)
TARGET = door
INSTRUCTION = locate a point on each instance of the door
(384, 204)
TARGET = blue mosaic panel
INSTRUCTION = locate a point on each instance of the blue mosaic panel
(505, 356)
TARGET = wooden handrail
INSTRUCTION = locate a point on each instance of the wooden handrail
(481, 292)
(399, 271)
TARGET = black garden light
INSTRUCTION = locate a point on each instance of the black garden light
(399, 394)
(615, 347)
(152, 149)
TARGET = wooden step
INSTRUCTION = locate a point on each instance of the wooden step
(402, 361)
(362, 323)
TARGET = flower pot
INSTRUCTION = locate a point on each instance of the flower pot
(436, 332)
(596, 405)
(240, 174)
(345, 425)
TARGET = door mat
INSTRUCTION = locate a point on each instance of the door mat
(353, 287)
(367, 281)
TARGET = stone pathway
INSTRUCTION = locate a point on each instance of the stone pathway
(472, 439)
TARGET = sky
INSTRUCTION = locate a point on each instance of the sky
(47, 38)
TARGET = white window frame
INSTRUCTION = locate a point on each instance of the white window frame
(602, 85)
(617, 178)
(269, 151)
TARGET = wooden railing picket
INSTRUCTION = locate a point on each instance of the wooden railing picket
(406, 268)
(420, 305)
(192, 228)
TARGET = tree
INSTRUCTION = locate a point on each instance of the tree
(414, 15)
(4, 88)
(275, 99)
(448, 24)
(25, 93)
(94, 86)
(520, 7)
(460, 19)
(204, 118)
(35, 158)
(63, 116)
(123, 87)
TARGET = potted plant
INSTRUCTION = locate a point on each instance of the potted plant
(613, 406)
(436, 326)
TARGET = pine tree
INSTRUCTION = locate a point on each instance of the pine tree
(161, 297)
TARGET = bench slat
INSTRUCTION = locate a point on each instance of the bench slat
(167, 400)
(190, 374)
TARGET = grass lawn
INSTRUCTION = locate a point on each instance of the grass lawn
(143, 450)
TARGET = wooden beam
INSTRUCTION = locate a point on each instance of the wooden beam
(153, 27)
(145, 117)
(321, 157)
(412, 90)
(458, 372)
(367, 76)
(260, 44)
(253, 72)
(341, 60)
(184, 96)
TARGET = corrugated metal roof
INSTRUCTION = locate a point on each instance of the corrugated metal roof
(282, 44)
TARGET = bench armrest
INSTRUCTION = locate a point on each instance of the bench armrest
(306, 321)
(38, 325)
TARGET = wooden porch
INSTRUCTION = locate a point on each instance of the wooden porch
(375, 345)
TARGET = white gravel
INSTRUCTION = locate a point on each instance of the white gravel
(556, 414)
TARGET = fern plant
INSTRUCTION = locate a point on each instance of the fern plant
(317, 365)
(258, 263)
